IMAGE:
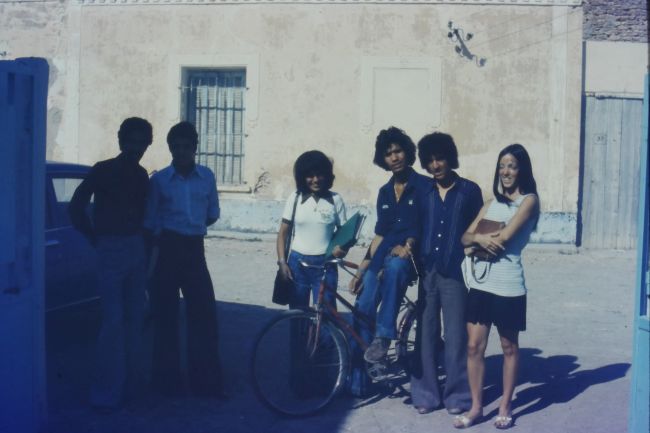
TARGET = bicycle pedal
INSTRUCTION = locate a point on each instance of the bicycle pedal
(377, 371)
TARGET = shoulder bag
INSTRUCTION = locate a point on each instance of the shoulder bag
(283, 288)
(478, 264)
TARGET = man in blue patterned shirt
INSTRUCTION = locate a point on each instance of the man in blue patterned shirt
(447, 208)
(182, 203)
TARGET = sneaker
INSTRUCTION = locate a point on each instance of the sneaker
(377, 350)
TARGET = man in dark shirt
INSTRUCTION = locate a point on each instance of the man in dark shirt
(119, 186)
(447, 208)
(388, 268)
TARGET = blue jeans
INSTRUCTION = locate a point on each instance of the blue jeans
(387, 290)
(307, 280)
(121, 284)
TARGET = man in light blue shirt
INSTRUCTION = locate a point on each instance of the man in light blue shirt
(185, 204)
(182, 203)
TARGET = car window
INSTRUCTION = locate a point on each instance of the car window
(64, 187)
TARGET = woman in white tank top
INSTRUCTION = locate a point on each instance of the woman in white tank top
(500, 298)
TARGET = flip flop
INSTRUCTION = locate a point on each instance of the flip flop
(503, 422)
(463, 421)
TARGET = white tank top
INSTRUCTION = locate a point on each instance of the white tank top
(505, 276)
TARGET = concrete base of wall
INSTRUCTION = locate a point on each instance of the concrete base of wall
(252, 215)
(556, 228)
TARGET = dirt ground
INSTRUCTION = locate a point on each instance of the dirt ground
(575, 356)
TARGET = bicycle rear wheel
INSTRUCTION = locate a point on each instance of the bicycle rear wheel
(298, 367)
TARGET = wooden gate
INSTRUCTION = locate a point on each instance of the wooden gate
(612, 133)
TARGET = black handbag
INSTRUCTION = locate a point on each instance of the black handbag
(283, 288)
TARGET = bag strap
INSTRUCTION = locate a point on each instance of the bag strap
(486, 271)
(287, 242)
(336, 213)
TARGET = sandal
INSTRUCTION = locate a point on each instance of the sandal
(503, 422)
(464, 421)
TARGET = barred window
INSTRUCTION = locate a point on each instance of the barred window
(213, 100)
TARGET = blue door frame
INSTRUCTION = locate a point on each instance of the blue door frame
(23, 113)
(639, 398)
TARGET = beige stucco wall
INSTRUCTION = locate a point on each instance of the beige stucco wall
(308, 70)
(39, 29)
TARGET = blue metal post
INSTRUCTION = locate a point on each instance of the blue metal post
(640, 393)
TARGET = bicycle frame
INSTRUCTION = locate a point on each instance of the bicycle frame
(322, 305)
(317, 341)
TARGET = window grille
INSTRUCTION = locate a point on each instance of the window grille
(213, 100)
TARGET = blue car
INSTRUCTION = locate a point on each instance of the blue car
(70, 260)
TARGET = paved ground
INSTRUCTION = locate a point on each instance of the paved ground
(575, 374)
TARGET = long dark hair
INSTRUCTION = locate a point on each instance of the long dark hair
(525, 179)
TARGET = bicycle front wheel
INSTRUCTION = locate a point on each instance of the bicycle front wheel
(298, 364)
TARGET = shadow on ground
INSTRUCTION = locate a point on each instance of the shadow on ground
(544, 381)
(548, 380)
(70, 341)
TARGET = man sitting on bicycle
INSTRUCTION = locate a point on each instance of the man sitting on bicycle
(388, 268)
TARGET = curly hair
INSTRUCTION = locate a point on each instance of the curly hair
(440, 146)
(393, 135)
(183, 130)
(133, 124)
(309, 163)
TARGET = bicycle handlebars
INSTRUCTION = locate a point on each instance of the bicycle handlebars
(334, 261)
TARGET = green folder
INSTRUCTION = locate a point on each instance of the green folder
(346, 235)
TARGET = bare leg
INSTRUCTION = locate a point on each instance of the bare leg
(510, 346)
(476, 343)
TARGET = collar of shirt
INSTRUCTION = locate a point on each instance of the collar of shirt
(410, 181)
(450, 195)
(123, 164)
(434, 184)
(327, 196)
(171, 173)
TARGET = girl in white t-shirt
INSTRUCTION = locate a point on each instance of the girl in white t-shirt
(318, 212)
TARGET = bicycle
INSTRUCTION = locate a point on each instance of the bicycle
(301, 358)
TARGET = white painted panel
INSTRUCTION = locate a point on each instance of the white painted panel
(402, 98)
(400, 91)
(616, 68)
